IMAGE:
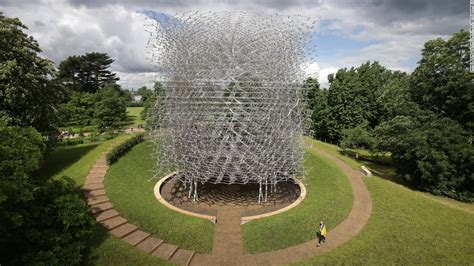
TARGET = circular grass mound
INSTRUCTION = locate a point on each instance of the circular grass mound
(129, 185)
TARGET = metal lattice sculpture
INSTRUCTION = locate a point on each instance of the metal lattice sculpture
(232, 106)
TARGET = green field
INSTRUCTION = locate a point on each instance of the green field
(329, 198)
(104, 249)
(133, 114)
(406, 227)
(130, 189)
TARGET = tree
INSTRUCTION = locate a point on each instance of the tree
(430, 152)
(86, 73)
(41, 221)
(395, 97)
(149, 104)
(317, 104)
(357, 138)
(442, 83)
(28, 96)
(352, 99)
(429, 121)
(79, 110)
(111, 109)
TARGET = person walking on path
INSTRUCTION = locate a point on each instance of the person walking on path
(322, 233)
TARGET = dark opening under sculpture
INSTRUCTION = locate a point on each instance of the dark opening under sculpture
(232, 107)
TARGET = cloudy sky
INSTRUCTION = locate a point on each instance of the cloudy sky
(349, 32)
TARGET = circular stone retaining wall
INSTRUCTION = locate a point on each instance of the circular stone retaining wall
(210, 215)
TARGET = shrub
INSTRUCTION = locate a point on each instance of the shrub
(42, 222)
(124, 147)
(71, 142)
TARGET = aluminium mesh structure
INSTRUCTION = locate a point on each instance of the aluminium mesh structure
(231, 109)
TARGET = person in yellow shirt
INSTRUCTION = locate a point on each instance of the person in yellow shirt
(322, 233)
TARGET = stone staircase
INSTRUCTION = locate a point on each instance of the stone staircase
(104, 213)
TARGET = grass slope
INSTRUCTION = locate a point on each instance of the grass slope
(130, 189)
(76, 161)
(109, 250)
(329, 198)
(104, 249)
(133, 114)
(406, 227)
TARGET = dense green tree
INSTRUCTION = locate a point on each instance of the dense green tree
(358, 137)
(69, 71)
(429, 121)
(150, 102)
(317, 104)
(28, 96)
(86, 73)
(442, 83)
(44, 222)
(353, 98)
(395, 97)
(79, 110)
(431, 153)
(111, 109)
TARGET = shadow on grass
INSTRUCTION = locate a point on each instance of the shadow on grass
(99, 235)
(62, 158)
(380, 165)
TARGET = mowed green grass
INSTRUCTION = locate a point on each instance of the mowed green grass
(104, 249)
(133, 114)
(329, 198)
(129, 186)
(406, 227)
(107, 250)
(76, 161)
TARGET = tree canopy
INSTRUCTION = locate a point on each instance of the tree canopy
(28, 95)
(86, 73)
(42, 221)
(353, 98)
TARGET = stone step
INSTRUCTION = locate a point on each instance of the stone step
(136, 237)
(100, 166)
(114, 222)
(101, 207)
(97, 200)
(95, 180)
(102, 216)
(95, 193)
(95, 176)
(89, 187)
(150, 244)
(182, 256)
(98, 172)
(123, 230)
(165, 251)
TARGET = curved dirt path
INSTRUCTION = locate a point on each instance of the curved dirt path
(228, 247)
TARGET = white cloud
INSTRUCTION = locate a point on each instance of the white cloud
(136, 80)
(315, 71)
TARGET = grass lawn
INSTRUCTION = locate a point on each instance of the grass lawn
(329, 198)
(104, 249)
(76, 161)
(133, 114)
(130, 189)
(406, 227)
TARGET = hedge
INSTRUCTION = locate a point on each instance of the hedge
(123, 147)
